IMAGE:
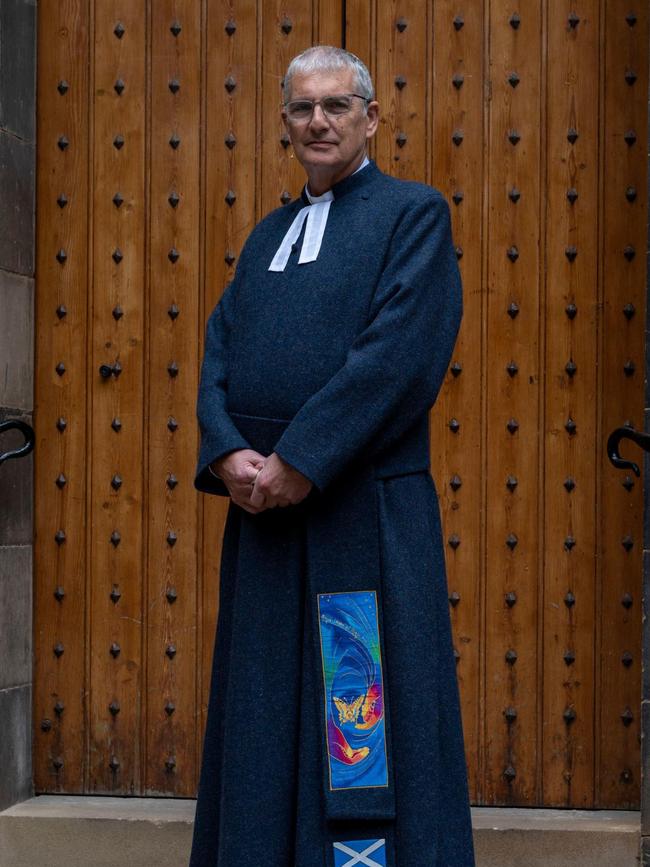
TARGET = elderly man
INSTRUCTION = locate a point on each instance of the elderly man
(334, 734)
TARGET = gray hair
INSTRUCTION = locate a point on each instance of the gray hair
(326, 58)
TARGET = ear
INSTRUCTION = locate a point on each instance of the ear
(373, 118)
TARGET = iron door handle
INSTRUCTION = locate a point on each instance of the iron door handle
(26, 430)
(613, 443)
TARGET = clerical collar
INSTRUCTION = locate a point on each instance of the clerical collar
(316, 213)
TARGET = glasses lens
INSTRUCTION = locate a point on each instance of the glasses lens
(299, 109)
(336, 104)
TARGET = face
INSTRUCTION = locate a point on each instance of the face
(328, 148)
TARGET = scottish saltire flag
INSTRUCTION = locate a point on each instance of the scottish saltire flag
(364, 853)
(354, 689)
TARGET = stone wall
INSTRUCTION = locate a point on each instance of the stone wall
(17, 172)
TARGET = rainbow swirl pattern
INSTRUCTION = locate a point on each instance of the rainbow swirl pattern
(354, 691)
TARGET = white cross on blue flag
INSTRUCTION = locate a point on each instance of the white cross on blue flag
(358, 852)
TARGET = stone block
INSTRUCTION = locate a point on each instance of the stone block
(17, 493)
(16, 341)
(15, 745)
(17, 197)
(15, 616)
(18, 67)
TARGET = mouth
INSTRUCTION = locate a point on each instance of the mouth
(318, 143)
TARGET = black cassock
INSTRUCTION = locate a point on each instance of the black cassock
(334, 735)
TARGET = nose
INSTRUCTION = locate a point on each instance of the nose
(319, 120)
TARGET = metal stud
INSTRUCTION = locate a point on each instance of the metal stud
(170, 763)
(172, 481)
(456, 655)
(116, 424)
(60, 537)
(459, 22)
(457, 137)
(511, 656)
(174, 142)
(510, 714)
(509, 773)
(174, 85)
(515, 21)
(58, 650)
(114, 708)
(173, 311)
(114, 650)
(63, 142)
(628, 483)
(512, 369)
(119, 86)
(61, 481)
(171, 651)
(455, 482)
(572, 135)
(62, 201)
(175, 28)
(454, 598)
(230, 198)
(569, 715)
(115, 594)
(454, 541)
(627, 542)
(59, 594)
(456, 369)
(458, 80)
(459, 253)
(513, 79)
(457, 197)
(629, 367)
(173, 198)
(57, 763)
(172, 538)
(285, 197)
(400, 82)
(512, 541)
(630, 76)
(454, 425)
(510, 598)
(286, 25)
(114, 764)
(627, 659)
(118, 200)
(116, 482)
(571, 367)
(630, 137)
(631, 19)
(569, 599)
(571, 253)
(512, 253)
(626, 601)
(514, 137)
(61, 424)
(627, 717)
(171, 595)
(119, 30)
(401, 139)
(46, 725)
(229, 258)
(173, 255)
(117, 313)
(572, 194)
(401, 24)
(59, 707)
(627, 776)
(172, 424)
(511, 483)
(570, 483)
(629, 252)
(513, 310)
(569, 543)
(230, 141)
(61, 256)
(63, 87)
(571, 310)
(60, 368)
(170, 707)
(630, 194)
(514, 195)
(573, 20)
(116, 538)
(117, 255)
(172, 369)
(118, 142)
(512, 425)
(230, 27)
(629, 310)
(570, 426)
(285, 141)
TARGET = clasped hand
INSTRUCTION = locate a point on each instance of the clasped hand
(256, 483)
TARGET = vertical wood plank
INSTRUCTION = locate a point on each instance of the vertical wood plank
(457, 104)
(118, 316)
(571, 389)
(513, 414)
(60, 398)
(624, 211)
(173, 381)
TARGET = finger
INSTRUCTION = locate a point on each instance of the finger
(257, 498)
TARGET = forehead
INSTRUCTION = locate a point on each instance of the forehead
(322, 83)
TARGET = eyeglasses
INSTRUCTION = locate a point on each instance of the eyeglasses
(333, 106)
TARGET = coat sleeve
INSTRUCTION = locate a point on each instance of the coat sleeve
(218, 432)
(395, 367)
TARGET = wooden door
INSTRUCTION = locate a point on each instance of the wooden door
(160, 146)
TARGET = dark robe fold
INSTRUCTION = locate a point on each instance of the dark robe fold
(334, 732)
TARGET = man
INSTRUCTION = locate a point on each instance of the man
(334, 735)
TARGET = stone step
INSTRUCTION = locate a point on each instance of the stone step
(76, 831)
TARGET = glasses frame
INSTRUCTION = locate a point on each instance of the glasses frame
(315, 102)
